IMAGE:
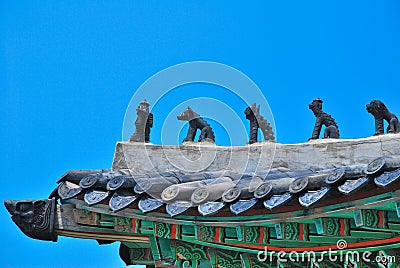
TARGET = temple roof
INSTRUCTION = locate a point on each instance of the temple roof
(170, 203)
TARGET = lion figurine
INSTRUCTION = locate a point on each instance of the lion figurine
(380, 112)
(196, 122)
(322, 118)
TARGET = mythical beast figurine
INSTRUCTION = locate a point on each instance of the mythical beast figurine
(196, 122)
(380, 112)
(143, 123)
(258, 121)
(35, 218)
(322, 118)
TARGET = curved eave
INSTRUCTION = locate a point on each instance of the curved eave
(359, 235)
(380, 198)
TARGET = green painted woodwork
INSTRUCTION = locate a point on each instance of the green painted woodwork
(136, 245)
(368, 235)
(135, 225)
(188, 230)
(290, 264)
(210, 234)
(212, 255)
(341, 210)
(146, 227)
(154, 249)
(145, 224)
(371, 218)
(246, 260)
(230, 232)
(166, 230)
(330, 264)
(162, 229)
(178, 263)
(333, 226)
(392, 217)
(122, 224)
(279, 231)
(205, 233)
(193, 264)
(257, 263)
(248, 233)
(228, 259)
(106, 220)
(394, 227)
(139, 254)
(187, 251)
(331, 240)
(388, 258)
(186, 264)
(398, 209)
(292, 231)
(86, 217)
(202, 264)
(203, 242)
(294, 243)
(164, 246)
(188, 237)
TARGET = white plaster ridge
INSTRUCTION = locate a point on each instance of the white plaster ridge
(197, 157)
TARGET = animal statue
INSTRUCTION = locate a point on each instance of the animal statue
(149, 125)
(196, 122)
(258, 121)
(380, 112)
(143, 123)
(34, 217)
(322, 118)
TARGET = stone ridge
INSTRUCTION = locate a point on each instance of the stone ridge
(143, 158)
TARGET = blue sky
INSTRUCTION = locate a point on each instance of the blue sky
(69, 70)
